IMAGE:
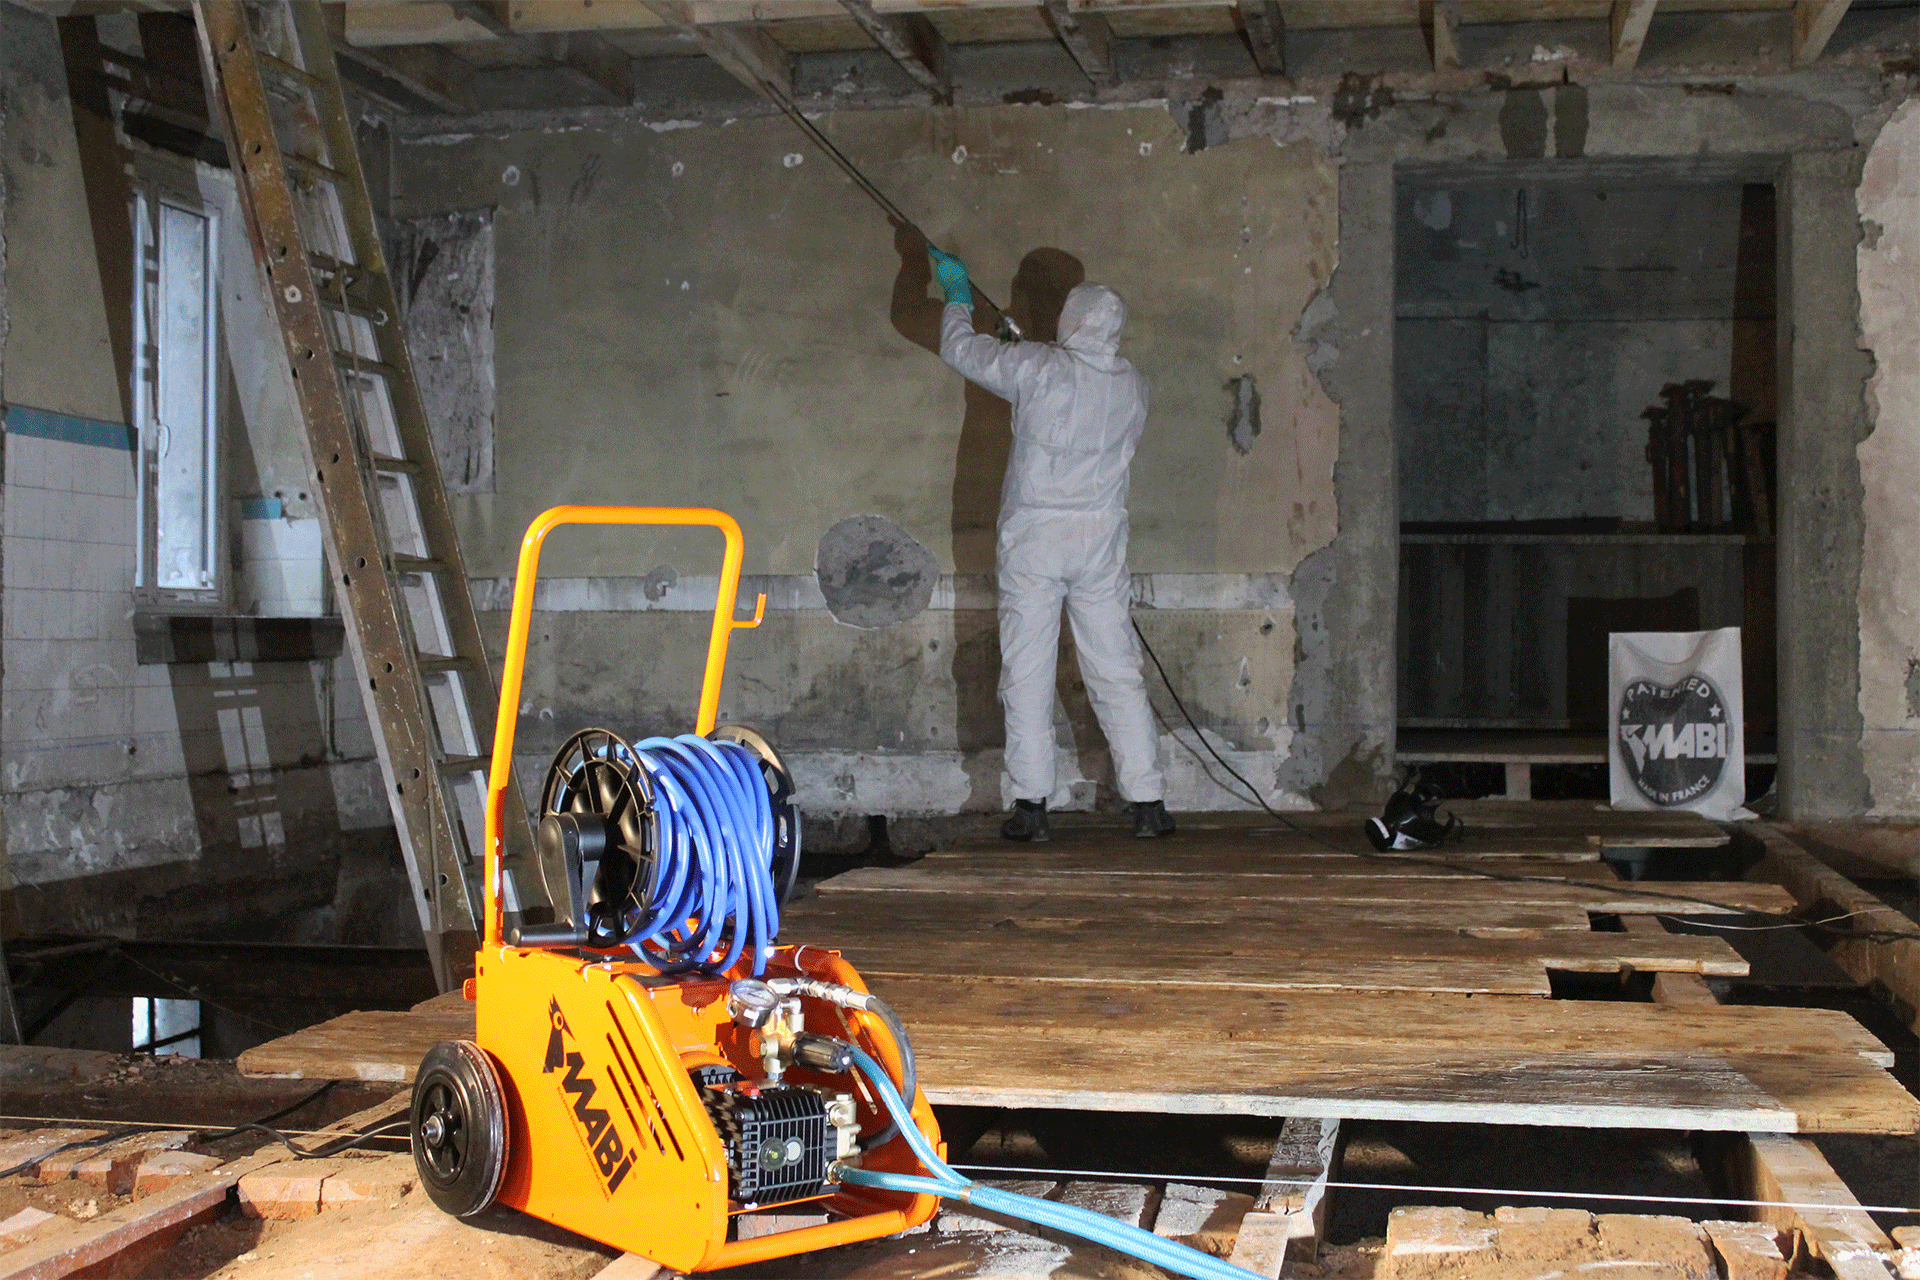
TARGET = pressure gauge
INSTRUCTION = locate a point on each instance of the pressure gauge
(752, 1003)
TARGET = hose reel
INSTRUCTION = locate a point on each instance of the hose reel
(656, 833)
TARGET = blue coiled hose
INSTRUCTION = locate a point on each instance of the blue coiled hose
(948, 1183)
(714, 859)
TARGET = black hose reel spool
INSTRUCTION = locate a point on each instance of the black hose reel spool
(597, 820)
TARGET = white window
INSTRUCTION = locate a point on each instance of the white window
(176, 393)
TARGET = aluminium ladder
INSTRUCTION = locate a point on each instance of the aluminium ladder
(390, 539)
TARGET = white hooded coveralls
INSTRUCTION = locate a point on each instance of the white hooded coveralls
(1078, 409)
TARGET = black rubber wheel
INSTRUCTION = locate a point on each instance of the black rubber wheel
(459, 1127)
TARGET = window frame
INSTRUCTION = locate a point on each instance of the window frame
(156, 188)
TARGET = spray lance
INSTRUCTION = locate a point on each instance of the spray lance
(1008, 329)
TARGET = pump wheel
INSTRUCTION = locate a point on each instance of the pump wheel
(459, 1127)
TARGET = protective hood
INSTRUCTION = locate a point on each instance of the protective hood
(1091, 320)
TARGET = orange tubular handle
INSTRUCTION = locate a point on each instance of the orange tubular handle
(521, 622)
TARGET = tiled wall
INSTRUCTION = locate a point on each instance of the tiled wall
(281, 569)
(107, 765)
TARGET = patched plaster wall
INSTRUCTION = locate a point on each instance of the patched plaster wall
(713, 315)
(1889, 260)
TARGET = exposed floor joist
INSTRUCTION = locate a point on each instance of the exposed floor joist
(1266, 30)
(1629, 23)
(1814, 22)
(1440, 23)
(1087, 38)
(748, 54)
(588, 58)
(913, 42)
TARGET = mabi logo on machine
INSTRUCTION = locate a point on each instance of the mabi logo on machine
(1674, 740)
(612, 1155)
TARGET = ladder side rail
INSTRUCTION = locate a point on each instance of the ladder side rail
(383, 649)
(456, 613)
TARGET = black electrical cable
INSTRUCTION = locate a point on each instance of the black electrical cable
(1449, 864)
(330, 1147)
(261, 1125)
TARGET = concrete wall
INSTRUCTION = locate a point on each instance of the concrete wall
(704, 312)
(212, 799)
(1535, 323)
(713, 315)
(1889, 258)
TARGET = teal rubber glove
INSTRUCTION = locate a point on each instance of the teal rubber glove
(952, 275)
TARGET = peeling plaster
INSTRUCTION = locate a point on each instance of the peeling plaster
(1889, 264)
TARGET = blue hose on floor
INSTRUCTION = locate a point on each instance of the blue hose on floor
(947, 1183)
(714, 858)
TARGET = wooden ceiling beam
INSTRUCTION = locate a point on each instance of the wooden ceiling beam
(426, 71)
(748, 53)
(1266, 31)
(1630, 19)
(1440, 24)
(911, 40)
(369, 26)
(597, 65)
(1814, 22)
(1087, 38)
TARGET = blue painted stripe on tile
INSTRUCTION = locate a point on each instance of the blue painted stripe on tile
(259, 508)
(45, 424)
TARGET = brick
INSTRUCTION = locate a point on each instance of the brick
(1675, 1242)
(1540, 1233)
(1906, 1258)
(1126, 1201)
(160, 1170)
(290, 1189)
(113, 1166)
(1204, 1217)
(1748, 1250)
(1434, 1229)
(384, 1180)
(28, 1225)
(1184, 1210)
(32, 1146)
(952, 1219)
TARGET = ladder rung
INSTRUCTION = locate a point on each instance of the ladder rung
(351, 363)
(454, 766)
(417, 564)
(353, 306)
(314, 169)
(327, 262)
(287, 71)
(397, 466)
(435, 665)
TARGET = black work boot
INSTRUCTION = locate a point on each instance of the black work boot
(1029, 821)
(1150, 819)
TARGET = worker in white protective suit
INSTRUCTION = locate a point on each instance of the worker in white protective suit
(1078, 409)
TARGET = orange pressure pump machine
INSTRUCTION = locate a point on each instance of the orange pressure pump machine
(652, 1064)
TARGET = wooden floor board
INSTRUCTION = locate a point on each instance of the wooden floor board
(1231, 970)
(1291, 1021)
(1674, 897)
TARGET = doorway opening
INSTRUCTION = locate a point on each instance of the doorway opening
(1585, 377)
